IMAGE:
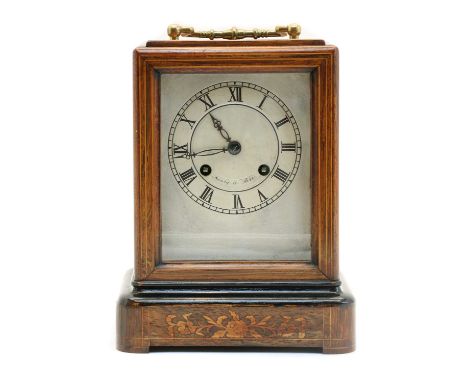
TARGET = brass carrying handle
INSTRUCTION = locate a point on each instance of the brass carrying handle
(292, 30)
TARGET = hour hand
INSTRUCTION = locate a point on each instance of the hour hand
(218, 126)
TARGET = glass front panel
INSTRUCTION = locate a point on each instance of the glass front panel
(235, 166)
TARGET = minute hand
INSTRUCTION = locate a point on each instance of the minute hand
(218, 126)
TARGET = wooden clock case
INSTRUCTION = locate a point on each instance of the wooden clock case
(236, 303)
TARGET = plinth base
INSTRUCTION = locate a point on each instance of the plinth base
(313, 317)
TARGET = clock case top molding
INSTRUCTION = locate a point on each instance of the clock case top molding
(151, 274)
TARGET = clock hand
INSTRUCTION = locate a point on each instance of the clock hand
(218, 126)
(208, 152)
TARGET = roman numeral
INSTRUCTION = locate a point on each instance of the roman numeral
(261, 196)
(188, 176)
(237, 202)
(281, 175)
(205, 98)
(282, 122)
(261, 103)
(181, 151)
(236, 93)
(189, 121)
(207, 194)
(288, 147)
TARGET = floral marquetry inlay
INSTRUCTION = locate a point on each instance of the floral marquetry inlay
(231, 325)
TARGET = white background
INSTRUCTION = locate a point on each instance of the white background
(66, 206)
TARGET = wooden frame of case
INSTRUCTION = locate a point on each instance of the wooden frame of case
(236, 303)
(199, 57)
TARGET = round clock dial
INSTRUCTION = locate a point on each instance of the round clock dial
(234, 147)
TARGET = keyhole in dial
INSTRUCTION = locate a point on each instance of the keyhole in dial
(205, 170)
(264, 170)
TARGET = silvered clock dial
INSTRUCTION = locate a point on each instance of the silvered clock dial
(234, 147)
(235, 166)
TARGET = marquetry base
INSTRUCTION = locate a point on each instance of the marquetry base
(310, 320)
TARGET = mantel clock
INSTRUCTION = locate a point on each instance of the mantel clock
(236, 194)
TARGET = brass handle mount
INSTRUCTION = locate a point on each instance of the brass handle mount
(175, 31)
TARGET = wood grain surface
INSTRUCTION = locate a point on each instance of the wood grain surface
(329, 328)
(321, 61)
(236, 303)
